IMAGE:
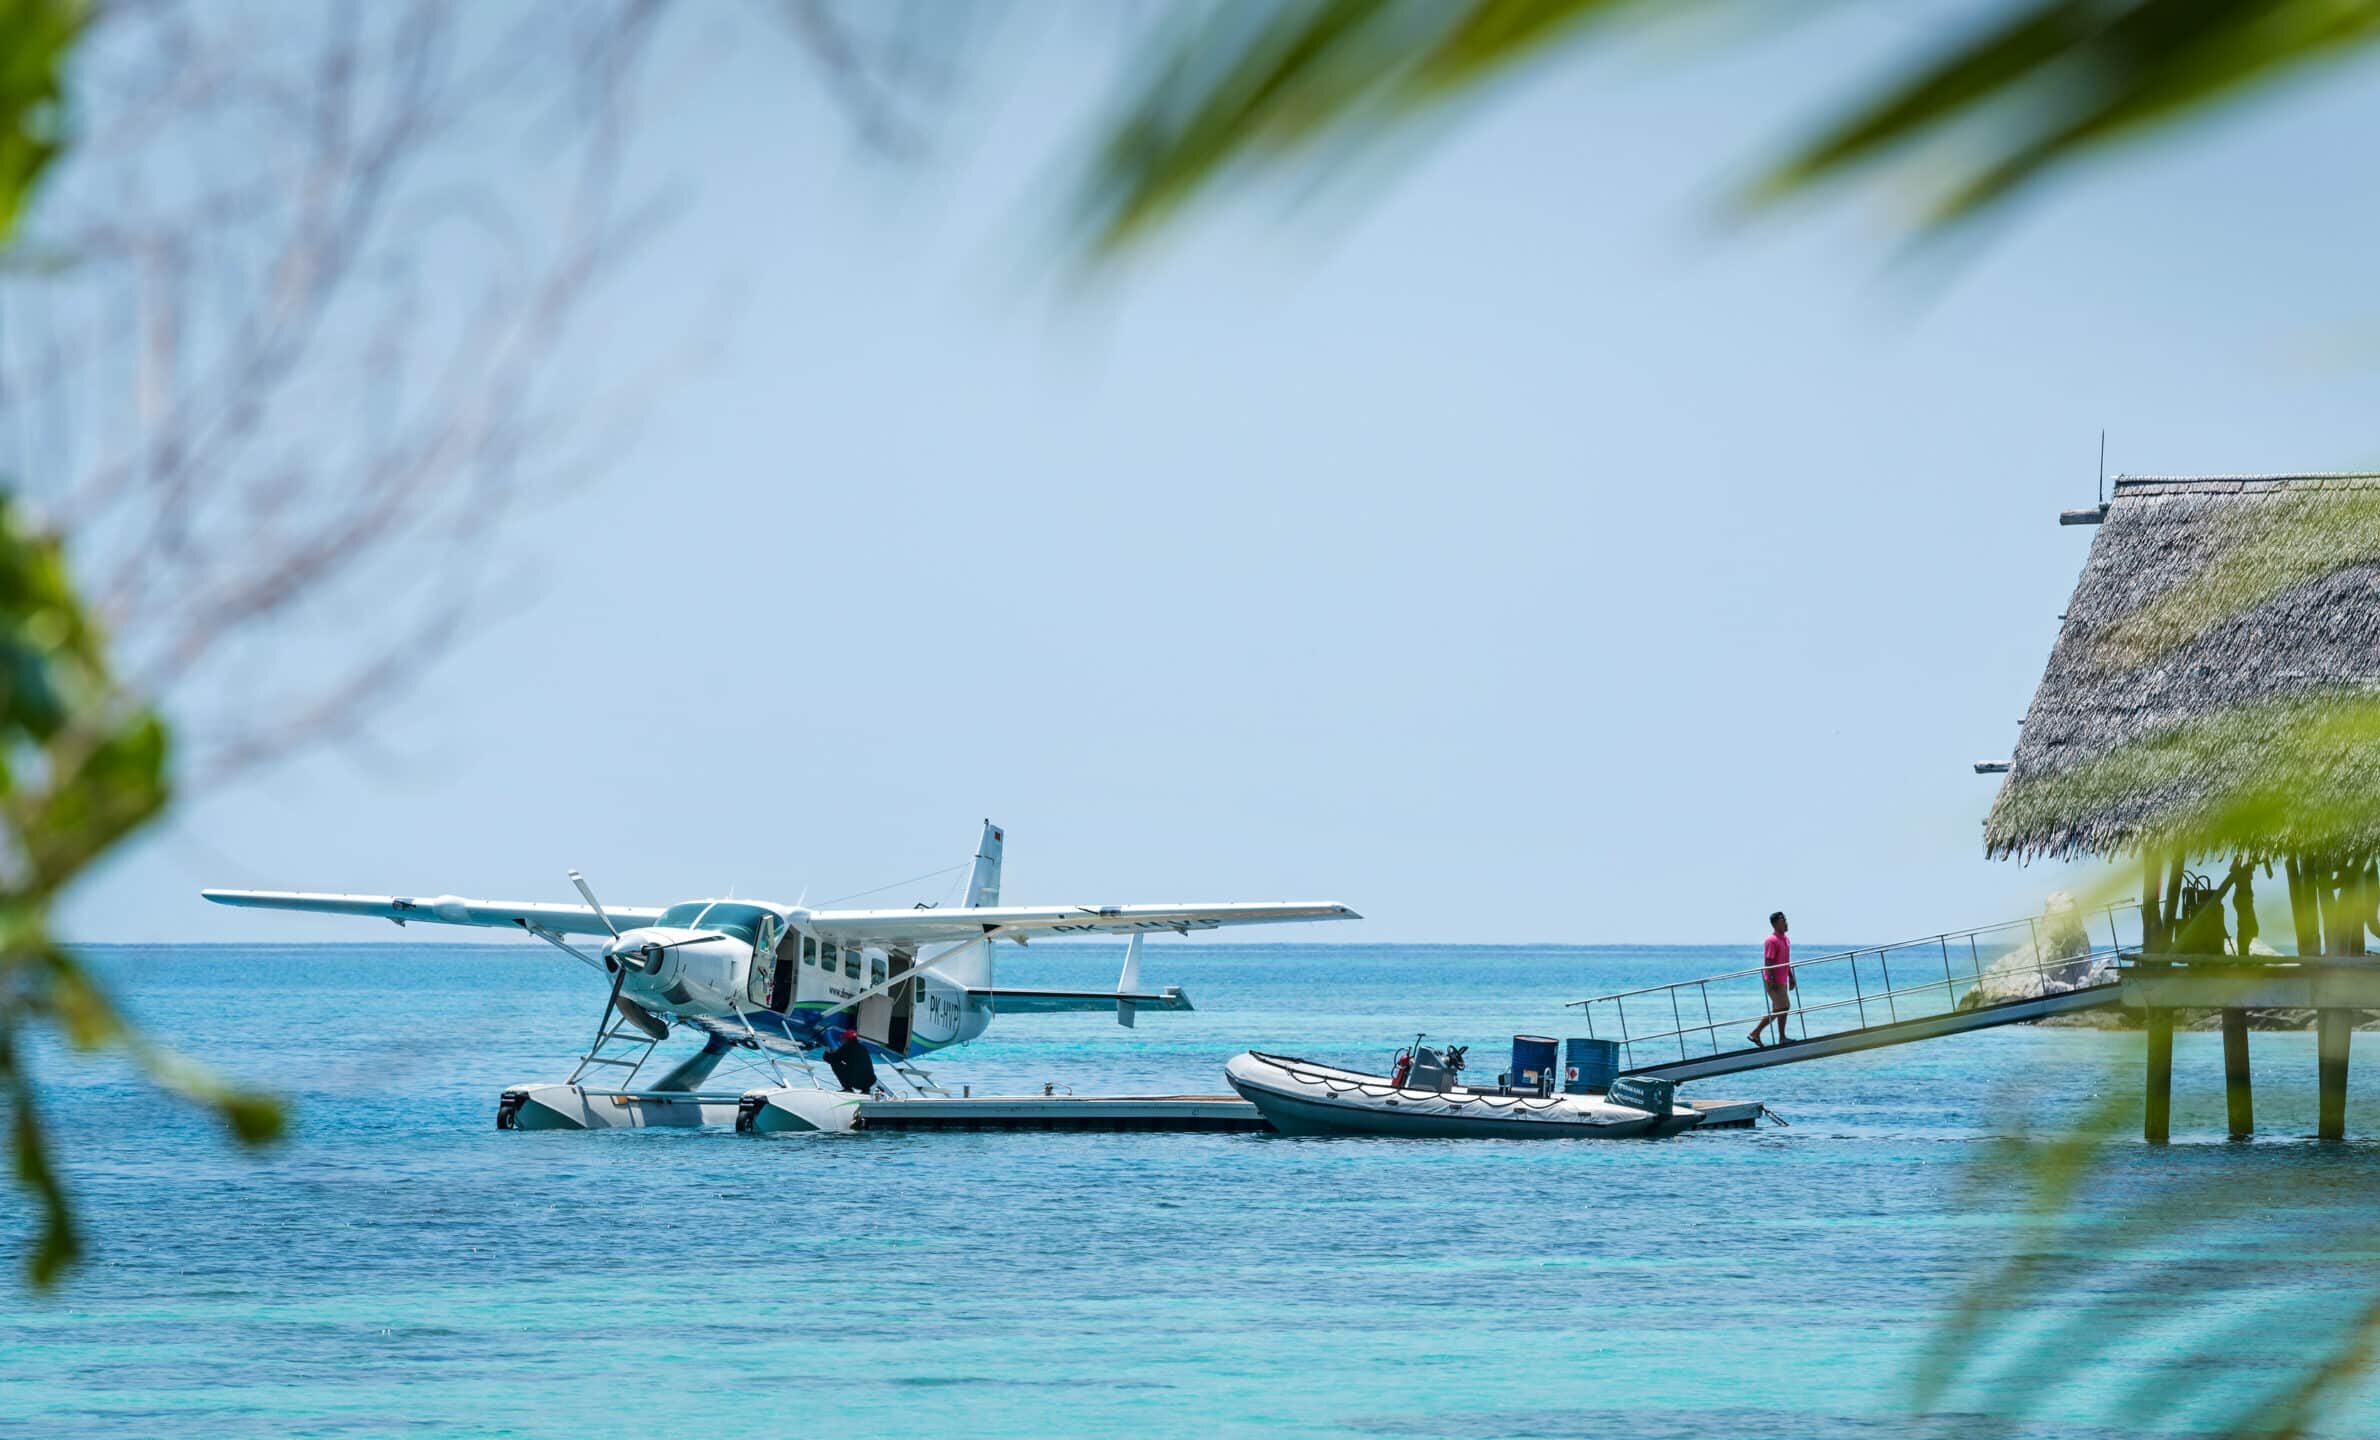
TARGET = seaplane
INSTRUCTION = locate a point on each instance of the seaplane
(784, 988)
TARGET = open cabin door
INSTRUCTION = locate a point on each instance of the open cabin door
(875, 1016)
(776, 965)
(904, 1006)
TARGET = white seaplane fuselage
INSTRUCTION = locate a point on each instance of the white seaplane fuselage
(707, 964)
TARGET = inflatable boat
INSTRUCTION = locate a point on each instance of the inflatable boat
(1305, 1097)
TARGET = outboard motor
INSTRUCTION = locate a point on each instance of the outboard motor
(1643, 1092)
(1430, 1071)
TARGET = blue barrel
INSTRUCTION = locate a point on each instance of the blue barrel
(1591, 1065)
(1533, 1059)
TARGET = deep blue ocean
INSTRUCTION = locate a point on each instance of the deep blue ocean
(399, 1267)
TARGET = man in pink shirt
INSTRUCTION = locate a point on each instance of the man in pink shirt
(1776, 977)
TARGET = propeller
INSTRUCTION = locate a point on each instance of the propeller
(654, 1027)
(674, 944)
(651, 1024)
(594, 904)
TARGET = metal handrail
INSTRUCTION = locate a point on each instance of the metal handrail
(2033, 922)
(1890, 998)
(1804, 1011)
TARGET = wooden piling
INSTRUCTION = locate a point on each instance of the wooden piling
(2156, 1123)
(2236, 1096)
(2334, 1030)
(2305, 916)
(2152, 917)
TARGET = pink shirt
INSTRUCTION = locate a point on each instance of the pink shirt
(1777, 959)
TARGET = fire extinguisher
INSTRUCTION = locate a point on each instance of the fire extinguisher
(1404, 1068)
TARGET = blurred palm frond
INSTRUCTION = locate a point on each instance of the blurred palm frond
(2003, 105)
(35, 38)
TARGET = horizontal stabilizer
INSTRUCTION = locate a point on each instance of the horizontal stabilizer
(1006, 1001)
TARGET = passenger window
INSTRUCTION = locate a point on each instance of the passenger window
(917, 989)
(809, 949)
(875, 972)
(850, 963)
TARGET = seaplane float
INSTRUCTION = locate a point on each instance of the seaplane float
(782, 988)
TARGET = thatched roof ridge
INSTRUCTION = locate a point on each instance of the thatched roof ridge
(2214, 614)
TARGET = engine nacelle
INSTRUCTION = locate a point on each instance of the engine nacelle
(685, 972)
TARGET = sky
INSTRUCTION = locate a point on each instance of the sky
(1501, 545)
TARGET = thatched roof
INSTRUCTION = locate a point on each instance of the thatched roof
(2217, 682)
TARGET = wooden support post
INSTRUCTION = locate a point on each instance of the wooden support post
(2152, 917)
(2236, 1096)
(2156, 1123)
(2334, 1029)
(2303, 913)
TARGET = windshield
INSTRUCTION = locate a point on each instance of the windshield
(724, 916)
(741, 921)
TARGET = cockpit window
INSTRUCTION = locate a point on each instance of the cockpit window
(741, 921)
(726, 917)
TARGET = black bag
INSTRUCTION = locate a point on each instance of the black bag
(852, 1066)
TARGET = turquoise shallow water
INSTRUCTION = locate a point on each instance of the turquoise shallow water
(401, 1268)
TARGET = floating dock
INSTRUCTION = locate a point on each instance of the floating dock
(573, 1107)
(1214, 1114)
(1221, 1114)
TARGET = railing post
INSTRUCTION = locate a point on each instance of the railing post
(1950, 991)
(1974, 960)
(1710, 1027)
(1679, 1019)
(1891, 1010)
(1858, 996)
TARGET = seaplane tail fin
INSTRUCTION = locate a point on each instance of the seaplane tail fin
(1128, 982)
(983, 882)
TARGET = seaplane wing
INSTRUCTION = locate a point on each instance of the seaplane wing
(441, 910)
(907, 928)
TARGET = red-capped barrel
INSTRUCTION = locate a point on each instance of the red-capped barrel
(1589, 1066)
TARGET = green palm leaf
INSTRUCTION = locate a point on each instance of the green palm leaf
(1248, 89)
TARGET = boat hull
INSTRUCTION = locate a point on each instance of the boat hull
(1302, 1098)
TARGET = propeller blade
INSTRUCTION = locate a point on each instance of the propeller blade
(674, 944)
(653, 1025)
(608, 1002)
(594, 904)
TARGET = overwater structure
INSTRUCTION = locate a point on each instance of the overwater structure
(2211, 712)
